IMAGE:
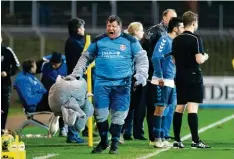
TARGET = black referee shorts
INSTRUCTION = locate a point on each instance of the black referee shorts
(189, 92)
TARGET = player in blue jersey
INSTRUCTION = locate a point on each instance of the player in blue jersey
(115, 53)
(163, 79)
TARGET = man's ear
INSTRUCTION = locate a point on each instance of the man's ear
(78, 30)
(164, 18)
(193, 23)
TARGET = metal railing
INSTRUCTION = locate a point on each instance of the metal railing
(36, 42)
(51, 13)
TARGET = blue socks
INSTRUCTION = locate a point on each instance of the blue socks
(157, 126)
(162, 128)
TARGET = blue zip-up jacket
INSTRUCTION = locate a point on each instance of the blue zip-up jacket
(30, 89)
(49, 75)
(163, 66)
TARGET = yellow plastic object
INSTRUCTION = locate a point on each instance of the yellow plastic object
(233, 63)
(89, 83)
(17, 150)
(87, 42)
(6, 139)
(90, 120)
(14, 155)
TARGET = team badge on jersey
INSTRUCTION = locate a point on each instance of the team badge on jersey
(122, 47)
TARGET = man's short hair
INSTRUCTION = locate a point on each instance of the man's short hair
(174, 22)
(166, 12)
(113, 18)
(28, 65)
(74, 24)
(189, 17)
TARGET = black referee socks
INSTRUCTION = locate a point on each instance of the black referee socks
(193, 125)
(177, 122)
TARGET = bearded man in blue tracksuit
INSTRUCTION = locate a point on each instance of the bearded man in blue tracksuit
(114, 53)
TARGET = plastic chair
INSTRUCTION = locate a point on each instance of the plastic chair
(30, 116)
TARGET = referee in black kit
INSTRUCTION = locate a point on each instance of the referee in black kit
(188, 52)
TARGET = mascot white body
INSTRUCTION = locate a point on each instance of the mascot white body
(68, 98)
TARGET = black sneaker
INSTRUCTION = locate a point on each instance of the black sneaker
(100, 147)
(199, 144)
(178, 145)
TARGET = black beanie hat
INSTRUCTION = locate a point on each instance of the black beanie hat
(56, 58)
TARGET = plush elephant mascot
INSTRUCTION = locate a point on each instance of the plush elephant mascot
(68, 99)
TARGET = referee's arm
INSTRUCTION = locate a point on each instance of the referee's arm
(200, 56)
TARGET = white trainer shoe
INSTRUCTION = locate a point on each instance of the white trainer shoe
(167, 143)
(159, 144)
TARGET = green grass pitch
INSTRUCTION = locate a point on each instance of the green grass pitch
(221, 139)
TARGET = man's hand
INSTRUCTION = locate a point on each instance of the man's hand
(89, 95)
(3, 74)
(157, 81)
(140, 79)
(206, 56)
(160, 82)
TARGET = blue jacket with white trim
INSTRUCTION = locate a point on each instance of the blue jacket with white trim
(29, 89)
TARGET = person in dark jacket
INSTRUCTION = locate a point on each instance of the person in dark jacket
(75, 43)
(149, 41)
(9, 66)
(74, 47)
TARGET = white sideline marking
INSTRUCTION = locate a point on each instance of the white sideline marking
(45, 157)
(189, 135)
